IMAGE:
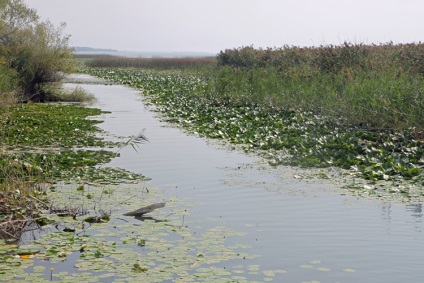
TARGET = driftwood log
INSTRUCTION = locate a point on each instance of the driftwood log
(145, 209)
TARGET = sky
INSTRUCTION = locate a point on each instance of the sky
(215, 25)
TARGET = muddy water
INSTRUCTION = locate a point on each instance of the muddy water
(309, 228)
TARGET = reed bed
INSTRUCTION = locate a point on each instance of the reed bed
(149, 63)
(373, 86)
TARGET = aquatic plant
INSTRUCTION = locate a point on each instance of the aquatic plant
(154, 249)
(43, 144)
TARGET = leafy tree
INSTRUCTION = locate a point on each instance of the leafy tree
(41, 56)
(37, 51)
(14, 15)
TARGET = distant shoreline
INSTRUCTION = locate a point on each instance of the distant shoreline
(142, 54)
(79, 49)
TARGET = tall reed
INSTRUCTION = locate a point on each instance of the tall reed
(375, 86)
(149, 63)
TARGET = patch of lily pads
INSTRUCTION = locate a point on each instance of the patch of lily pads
(57, 142)
(157, 248)
(382, 163)
(51, 125)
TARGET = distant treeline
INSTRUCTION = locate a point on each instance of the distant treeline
(90, 49)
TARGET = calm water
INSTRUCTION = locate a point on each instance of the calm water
(292, 224)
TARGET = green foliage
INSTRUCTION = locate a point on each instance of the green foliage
(50, 125)
(40, 55)
(377, 87)
(8, 79)
(37, 51)
(14, 15)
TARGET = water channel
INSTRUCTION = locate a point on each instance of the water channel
(311, 229)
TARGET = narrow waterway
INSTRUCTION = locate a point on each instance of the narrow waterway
(311, 229)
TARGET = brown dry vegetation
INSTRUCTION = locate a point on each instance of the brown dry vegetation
(149, 63)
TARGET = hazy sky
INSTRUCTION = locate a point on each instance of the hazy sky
(214, 25)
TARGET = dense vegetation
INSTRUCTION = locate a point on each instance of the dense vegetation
(377, 86)
(33, 53)
(364, 119)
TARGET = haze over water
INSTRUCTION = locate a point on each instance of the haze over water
(215, 25)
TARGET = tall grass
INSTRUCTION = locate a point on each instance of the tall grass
(375, 86)
(149, 63)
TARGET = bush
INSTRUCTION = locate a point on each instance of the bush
(37, 51)
(78, 94)
(40, 56)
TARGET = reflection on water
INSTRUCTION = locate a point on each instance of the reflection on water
(309, 228)
(416, 210)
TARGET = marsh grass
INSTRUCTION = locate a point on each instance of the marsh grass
(374, 86)
(374, 100)
(149, 63)
(56, 94)
(22, 195)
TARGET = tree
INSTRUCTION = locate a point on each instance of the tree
(14, 15)
(37, 51)
(41, 57)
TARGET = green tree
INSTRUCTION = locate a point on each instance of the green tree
(41, 56)
(37, 51)
(14, 15)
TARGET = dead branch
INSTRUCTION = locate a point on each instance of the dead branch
(145, 209)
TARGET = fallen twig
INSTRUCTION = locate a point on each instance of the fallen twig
(145, 209)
